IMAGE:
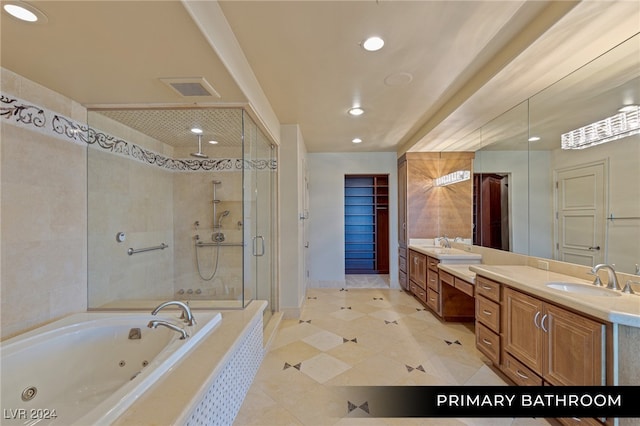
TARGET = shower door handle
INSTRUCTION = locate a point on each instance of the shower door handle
(255, 250)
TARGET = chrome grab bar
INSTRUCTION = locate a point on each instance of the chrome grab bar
(134, 251)
(201, 244)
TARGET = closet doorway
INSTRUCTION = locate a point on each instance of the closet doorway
(491, 210)
(366, 224)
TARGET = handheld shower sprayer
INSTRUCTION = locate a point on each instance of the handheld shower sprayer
(222, 215)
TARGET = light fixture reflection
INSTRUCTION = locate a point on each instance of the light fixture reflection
(356, 111)
(621, 125)
(451, 178)
(356, 140)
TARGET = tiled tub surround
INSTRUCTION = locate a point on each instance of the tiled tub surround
(88, 368)
(44, 223)
(210, 383)
(44, 213)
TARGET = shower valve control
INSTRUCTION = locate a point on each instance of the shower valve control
(120, 237)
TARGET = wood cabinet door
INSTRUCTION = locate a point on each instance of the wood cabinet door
(418, 268)
(573, 347)
(523, 335)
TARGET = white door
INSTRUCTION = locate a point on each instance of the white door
(580, 218)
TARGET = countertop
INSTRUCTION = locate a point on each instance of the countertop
(448, 255)
(623, 309)
(461, 271)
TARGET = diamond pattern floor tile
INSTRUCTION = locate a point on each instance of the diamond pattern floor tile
(386, 338)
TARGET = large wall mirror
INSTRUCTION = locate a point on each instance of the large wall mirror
(580, 203)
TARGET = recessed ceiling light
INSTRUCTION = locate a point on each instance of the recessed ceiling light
(356, 111)
(534, 138)
(196, 130)
(373, 43)
(24, 11)
(356, 140)
(628, 108)
(213, 142)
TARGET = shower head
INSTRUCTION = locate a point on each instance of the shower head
(199, 154)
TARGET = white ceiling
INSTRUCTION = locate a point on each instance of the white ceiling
(468, 61)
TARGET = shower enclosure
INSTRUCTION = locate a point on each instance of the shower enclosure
(180, 206)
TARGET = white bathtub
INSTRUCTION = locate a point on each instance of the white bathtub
(86, 369)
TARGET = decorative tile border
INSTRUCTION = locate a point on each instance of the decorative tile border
(22, 114)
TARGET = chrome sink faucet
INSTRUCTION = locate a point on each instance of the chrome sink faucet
(156, 323)
(187, 316)
(444, 241)
(613, 279)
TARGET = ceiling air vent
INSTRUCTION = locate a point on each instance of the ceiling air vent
(190, 87)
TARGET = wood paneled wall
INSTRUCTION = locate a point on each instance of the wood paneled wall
(437, 211)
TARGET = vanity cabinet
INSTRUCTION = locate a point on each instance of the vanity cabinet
(487, 314)
(402, 269)
(434, 302)
(455, 302)
(558, 345)
(418, 268)
(418, 275)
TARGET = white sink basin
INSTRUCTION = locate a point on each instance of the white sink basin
(586, 289)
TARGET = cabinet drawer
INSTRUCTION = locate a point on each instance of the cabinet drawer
(433, 301)
(402, 263)
(432, 263)
(487, 288)
(463, 286)
(488, 343)
(518, 372)
(432, 280)
(446, 278)
(488, 313)
(413, 288)
(421, 294)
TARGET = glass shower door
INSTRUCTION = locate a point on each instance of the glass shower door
(259, 179)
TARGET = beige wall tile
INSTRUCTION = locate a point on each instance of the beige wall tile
(44, 225)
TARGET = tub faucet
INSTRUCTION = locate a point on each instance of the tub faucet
(156, 323)
(187, 316)
(613, 279)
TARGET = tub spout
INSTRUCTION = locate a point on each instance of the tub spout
(186, 311)
(156, 323)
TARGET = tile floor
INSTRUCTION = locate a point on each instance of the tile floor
(357, 336)
(367, 281)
